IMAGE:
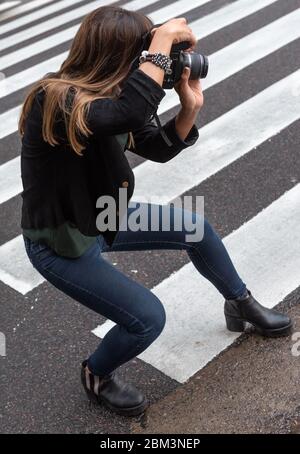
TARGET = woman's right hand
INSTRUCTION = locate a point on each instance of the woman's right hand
(171, 32)
(177, 30)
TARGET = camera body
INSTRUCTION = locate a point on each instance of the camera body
(180, 59)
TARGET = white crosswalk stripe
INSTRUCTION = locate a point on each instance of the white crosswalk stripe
(175, 9)
(36, 15)
(18, 273)
(22, 8)
(265, 249)
(7, 5)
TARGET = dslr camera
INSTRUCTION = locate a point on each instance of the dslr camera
(198, 63)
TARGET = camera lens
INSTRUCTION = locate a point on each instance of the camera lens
(198, 64)
(204, 66)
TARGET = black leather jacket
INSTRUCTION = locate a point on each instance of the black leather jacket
(59, 185)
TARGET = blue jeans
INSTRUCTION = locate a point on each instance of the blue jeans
(139, 315)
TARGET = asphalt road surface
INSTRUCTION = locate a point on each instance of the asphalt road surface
(199, 377)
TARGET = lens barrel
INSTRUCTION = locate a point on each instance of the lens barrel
(198, 64)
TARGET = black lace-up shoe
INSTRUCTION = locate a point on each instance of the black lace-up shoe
(111, 391)
(267, 322)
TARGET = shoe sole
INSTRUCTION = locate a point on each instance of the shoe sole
(233, 325)
(279, 332)
(127, 411)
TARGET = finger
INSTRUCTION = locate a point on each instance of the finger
(185, 77)
(182, 19)
(196, 82)
(191, 49)
(196, 86)
(153, 31)
(193, 40)
(186, 74)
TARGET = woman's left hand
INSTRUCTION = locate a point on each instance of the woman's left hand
(190, 92)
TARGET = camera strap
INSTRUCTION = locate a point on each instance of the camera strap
(146, 40)
(162, 131)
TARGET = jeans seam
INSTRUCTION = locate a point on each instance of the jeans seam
(210, 268)
(151, 241)
(188, 246)
(182, 244)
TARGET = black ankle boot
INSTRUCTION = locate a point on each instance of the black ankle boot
(267, 322)
(120, 397)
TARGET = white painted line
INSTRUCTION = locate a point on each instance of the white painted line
(15, 267)
(56, 21)
(10, 179)
(42, 12)
(266, 254)
(138, 4)
(229, 14)
(6, 5)
(221, 142)
(232, 13)
(19, 10)
(28, 76)
(64, 18)
(10, 117)
(175, 9)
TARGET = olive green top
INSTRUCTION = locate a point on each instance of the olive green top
(67, 240)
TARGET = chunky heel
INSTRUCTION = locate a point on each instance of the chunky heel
(234, 324)
(267, 322)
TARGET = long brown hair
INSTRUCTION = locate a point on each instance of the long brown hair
(105, 44)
